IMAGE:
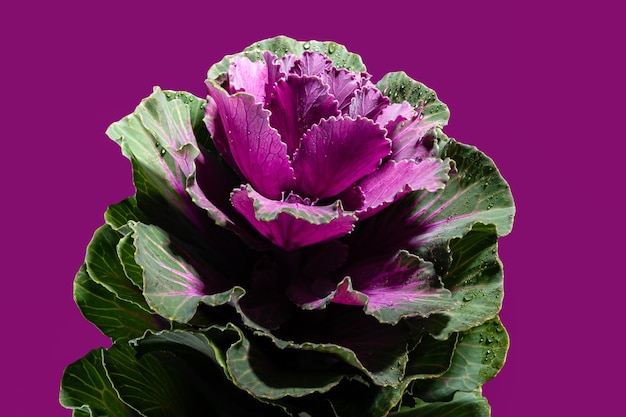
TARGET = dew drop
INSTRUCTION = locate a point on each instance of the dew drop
(306, 45)
(331, 47)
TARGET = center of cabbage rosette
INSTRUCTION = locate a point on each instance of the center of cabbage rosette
(318, 147)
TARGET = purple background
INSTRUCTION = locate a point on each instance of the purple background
(537, 87)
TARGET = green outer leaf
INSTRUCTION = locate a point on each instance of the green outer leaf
(431, 358)
(477, 194)
(126, 254)
(158, 138)
(162, 138)
(104, 267)
(156, 207)
(116, 318)
(282, 45)
(118, 215)
(85, 386)
(174, 119)
(157, 385)
(464, 404)
(141, 143)
(352, 397)
(192, 345)
(172, 286)
(399, 87)
(206, 352)
(475, 279)
(383, 364)
(196, 115)
(478, 357)
(252, 370)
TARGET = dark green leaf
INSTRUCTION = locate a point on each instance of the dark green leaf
(126, 254)
(430, 359)
(183, 367)
(346, 333)
(105, 268)
(478, 357)
(286, 373)
(86, 388)
(158, 385)
(159, 139)
(177, 277)
(118, 215)
(475, 279)
(463, 404)
(196, 347)
(115, 317)
(476, 194)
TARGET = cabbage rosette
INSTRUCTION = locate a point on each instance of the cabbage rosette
(302, 242)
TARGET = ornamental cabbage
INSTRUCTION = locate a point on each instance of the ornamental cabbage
(302, 242)
(319, 148)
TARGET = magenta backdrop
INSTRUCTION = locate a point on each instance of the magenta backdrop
(535, 86)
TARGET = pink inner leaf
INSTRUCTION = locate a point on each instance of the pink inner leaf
(336, 153)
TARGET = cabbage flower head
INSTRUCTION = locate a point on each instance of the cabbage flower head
(319, 148)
